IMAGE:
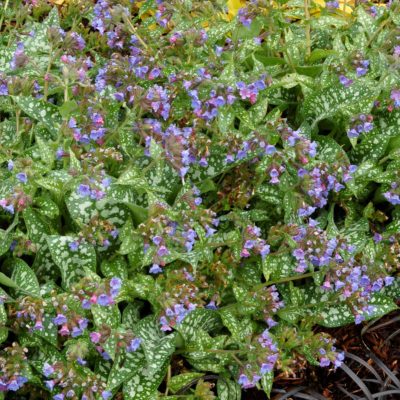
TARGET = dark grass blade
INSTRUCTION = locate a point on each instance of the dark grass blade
(366, 365)
(357, 380)
(385, 369)
(386, 393)
(316, 394)
(369, 329)
(393, 335)
(291, 392)
(352, 396)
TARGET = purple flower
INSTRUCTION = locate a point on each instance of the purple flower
(60, 319)
(74, 246)
(395, 95)
(76, 331)
(83, 190)
(211, 305)
(106, 395)
(358, 319)
(157, 240)
(361, 71)
(115, 283)
(155, 269)
(50, 384)
(3, 89)
(47, 369)
(103, 300)
(13, 385)
(264, 251)
(389, 280)
(345, 81)
(133, 345)
(95, 337)
(332, 4)
(162, 251)
(324, 362)
(22, 177)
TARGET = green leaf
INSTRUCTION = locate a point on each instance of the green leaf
(6, 281)
(331, 101)
(83, 209)
(157, 347)
(126, 367)
(341, 314)
(68, 108)
(41, 111)
(228, 389)
(25, 278)
(277, 266)
(144, 385)
(47, 207)
(106, 315)
(115, 267)
(46, 151)
(37, 228)
(3, 321)
(6, 239)
(240, 329)
(49, 332)
(178, 382)
(200, 318)
(267, 381)
(71, 263)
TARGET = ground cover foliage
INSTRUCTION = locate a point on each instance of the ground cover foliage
(190, 188)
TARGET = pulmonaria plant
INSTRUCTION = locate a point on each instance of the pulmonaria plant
(192, 183)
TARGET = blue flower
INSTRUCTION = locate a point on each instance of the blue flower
(22, 177)
(60, 319)
(103, 300)
(84, 190)
(106, 395)
(133, 345)
(74, 246)
(47, 370)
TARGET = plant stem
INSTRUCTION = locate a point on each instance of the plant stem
(168, 379)
(134, 31)
(380, 28)
(308, 28)
(3, 13)
(287, 279)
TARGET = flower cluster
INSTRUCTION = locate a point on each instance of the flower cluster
(360, 124)
(124, 340)
(67, 381)
(267, 356)
(175, 315)
(182, 148)
(90, 292)
(98, 232)
(13, 368)
(29, 313)
(252, 242)
(393, 195)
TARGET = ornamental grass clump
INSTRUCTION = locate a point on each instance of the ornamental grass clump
(192, 188)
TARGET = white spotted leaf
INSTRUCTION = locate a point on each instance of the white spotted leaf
(41, 111)
(71, 263)
(25, 278)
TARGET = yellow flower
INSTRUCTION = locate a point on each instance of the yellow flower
(234, 6)
(347, 6)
